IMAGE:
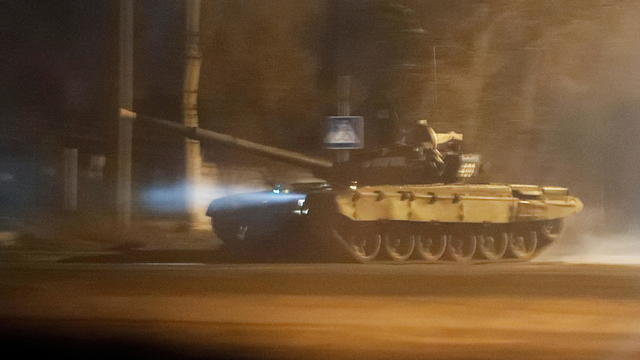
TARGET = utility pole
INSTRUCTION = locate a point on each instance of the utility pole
(70, 179)
(125, 123)
(193, 59)
(344, 108)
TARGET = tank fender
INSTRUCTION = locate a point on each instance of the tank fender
(210, 209)
(322, 203)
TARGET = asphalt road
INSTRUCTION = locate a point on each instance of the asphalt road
(175, 305)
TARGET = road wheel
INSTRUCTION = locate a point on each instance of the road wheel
(522, 244)
(232, 234)
(461, 247)
(431, 246)
(361, 241)
(399, 243)
(551, 230)
(492, 245)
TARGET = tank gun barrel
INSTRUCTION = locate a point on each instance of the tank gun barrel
(210, 136)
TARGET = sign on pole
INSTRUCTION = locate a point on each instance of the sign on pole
(344, 132)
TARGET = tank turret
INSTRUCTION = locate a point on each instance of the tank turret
(423, 156)
(439, 160)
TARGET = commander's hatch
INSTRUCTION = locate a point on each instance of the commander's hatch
(444, 138)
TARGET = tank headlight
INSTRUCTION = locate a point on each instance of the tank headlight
(301, 210)
(279, 189)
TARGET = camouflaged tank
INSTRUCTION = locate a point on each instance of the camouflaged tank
(405, 203)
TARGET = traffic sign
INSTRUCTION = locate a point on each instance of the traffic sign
(344, 132)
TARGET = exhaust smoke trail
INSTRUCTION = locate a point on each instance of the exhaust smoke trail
(170, 198)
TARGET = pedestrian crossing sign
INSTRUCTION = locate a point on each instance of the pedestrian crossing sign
(344, 132)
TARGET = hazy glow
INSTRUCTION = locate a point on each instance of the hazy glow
(170, 198)
(209, 193)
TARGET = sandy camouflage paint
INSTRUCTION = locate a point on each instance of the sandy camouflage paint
(490, 203)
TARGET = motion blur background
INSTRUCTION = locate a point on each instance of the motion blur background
(547, 91)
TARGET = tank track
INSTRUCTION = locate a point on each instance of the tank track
(392, 242)
(415, 242)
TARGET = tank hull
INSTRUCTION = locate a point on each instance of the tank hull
(426, 223)
(457, 203)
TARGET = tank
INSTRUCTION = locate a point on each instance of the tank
(416, 201)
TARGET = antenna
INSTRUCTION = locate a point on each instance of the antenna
(435, 77)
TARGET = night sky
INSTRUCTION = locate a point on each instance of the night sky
(57, 56)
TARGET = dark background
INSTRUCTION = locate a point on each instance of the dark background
(547, 91)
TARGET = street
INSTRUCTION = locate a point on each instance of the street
(218, 309)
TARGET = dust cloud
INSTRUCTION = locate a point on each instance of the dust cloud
(593, 248)
(587, 240)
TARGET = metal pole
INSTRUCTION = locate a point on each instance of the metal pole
(344, 108)
(193, 59)
(125, 125)
(70, 179)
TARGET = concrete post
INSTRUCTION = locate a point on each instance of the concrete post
(125, 124)
(193, 157)
(70, 202)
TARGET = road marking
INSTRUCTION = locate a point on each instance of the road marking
(165, 264)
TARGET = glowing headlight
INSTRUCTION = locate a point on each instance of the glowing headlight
(280, 189)
(301, 210)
